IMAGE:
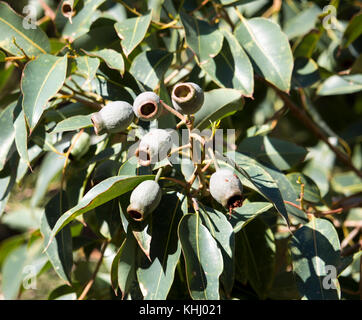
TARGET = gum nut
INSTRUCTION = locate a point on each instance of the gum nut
(147, 106)
(144, 200)
(187, 98)
(154, 147)
(80, 145)
(225, 187)
(114, 117)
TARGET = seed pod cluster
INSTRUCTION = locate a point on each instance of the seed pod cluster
(187, 98)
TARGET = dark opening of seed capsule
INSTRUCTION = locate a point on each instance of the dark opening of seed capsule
(182, 91)
(148, 109)
(135, 215)
(67, 8)
(235, 202)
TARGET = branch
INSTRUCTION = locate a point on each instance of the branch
(308, 122)
(91, 281)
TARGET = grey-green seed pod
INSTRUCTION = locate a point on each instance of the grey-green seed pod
(144, 200)
(225, 187)
(154, 146)
(114, 117)
(187, 98)
(81, 145)
(147, 106)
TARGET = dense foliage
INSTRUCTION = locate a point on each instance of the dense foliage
(280, 95)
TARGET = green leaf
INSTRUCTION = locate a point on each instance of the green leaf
(269, 50)
(81, 23)
(203, 258)
(302, 22)
(218, 104)
(150, 66)
(2, 56)
(231, 68)
(353, 30)
(307, 44)
(21, 136)
(49, 169)
(156, 275)
(315, 247)
(103, 192)
(280, 153)
(222, 231)
(112, 58)
(202, 38)
(337, 85)
(311, 191)
(305, 72)
(347, 183)
(143, 235)
(73, 123)
(41, 80)
(259, 256)
(7, 133)
(127, 264)
(132, 31)
(243, 215)
(60, 251)
(32, 41)
(87, 67)
(18, 268)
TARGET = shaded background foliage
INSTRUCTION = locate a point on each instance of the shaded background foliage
(286, 75)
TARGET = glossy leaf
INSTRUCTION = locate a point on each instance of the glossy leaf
(222, 231)
(315, 249)
(150, 66)
(305, 72)
(302, 22)
(21, 136)
(259, 256)
(203, 258)
(336, 85)
(60, 251)
(73, 123)
(269, 50)
(347, 183)
(157, 274)
(243, 215)
(280, 153)
(202, 38)
(7, 133)
(87, 67)
(32, 41)
(81, 23)
(103, 192)
(112, 58)
(41, 80)
(231, 68)
(132, 31)
(218, 104)
(353, 30)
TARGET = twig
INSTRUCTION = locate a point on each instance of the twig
(91, 281)
(91, 104)
(350, 236)
(276, 6)
(173, 111)
(47, 10)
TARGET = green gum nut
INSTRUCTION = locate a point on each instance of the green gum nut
(147, 106)
(114, 117)
(187, 97)
(225, 187)
(154, 146)
(80, 145)
(144, 200)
